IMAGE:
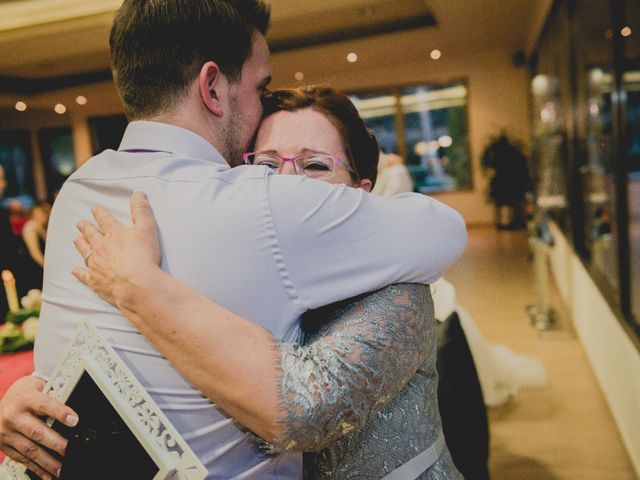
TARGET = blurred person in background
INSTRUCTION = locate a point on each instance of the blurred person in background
(393, 176)
(18, 216)
(34, 236)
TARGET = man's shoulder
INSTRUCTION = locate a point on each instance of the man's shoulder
(112, 165)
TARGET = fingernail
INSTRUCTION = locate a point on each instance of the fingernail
(71, 420)
(139, 196)
(58, 472)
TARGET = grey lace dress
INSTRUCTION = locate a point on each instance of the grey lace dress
(360, 397)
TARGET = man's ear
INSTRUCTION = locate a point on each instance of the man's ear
(213, 85)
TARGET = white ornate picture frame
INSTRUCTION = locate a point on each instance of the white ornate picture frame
(88, 352)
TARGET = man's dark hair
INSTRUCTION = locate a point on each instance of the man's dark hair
(159, 46)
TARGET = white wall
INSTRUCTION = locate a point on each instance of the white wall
(539, 13)
(614, 358)
(561, 264)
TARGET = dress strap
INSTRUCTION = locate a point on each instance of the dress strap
(420, 463)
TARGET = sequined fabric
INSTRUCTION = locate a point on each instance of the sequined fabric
(361, 393)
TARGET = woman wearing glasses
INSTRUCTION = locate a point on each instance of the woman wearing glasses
(361, 391)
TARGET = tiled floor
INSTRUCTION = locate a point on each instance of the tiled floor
(565, 429)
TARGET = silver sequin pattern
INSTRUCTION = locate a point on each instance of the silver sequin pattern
(362, 392)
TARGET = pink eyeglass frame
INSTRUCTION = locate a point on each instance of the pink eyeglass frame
(336, 160)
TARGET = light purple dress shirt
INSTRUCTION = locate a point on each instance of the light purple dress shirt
(267, 247)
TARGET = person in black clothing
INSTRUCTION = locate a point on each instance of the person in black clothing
(511, 180)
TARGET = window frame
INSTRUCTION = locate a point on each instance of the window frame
(396, 91)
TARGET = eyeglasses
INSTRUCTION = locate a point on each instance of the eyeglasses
(313, 165)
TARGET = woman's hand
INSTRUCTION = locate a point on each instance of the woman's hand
(116, 256)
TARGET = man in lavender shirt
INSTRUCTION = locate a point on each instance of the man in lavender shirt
(191, 75)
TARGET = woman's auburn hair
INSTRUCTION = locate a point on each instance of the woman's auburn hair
(360, 143)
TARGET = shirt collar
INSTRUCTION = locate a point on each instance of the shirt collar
(146, 135)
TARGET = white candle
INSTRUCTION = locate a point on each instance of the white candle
(10, 288)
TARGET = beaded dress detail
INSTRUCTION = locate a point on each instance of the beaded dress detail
(361, 394)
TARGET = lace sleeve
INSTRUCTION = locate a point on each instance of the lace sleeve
(358, 359)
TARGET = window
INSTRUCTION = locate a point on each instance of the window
(379, 114)
(56, 146)
(631, 88)
(15, 158)
(586, 105)
(549, 122)
(107, 132)
(598, 169)
(436, 136)
(428, 126)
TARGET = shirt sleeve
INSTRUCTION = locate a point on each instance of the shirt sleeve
(337, 242)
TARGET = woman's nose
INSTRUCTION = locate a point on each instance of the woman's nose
(288, 168)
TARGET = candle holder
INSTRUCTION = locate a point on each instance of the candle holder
(20, 325)
(9, 282)
(21, 315)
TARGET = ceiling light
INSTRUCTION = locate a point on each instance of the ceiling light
(299, 76)
(625, 32)
(352, 57)
(80, 100)
(436, 54)
(21, 106)
(60, 108)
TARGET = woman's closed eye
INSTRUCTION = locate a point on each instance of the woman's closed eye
(272, 164)
(316, 165)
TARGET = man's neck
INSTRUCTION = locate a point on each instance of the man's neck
(189, 122)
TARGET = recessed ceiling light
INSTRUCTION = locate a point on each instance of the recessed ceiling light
(299, 76)
(21, 106)
(80, 100)
(60, 108)
(352, 57)
(436, 54)
(625, 32)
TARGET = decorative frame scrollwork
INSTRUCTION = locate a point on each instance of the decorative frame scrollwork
(88, 352)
